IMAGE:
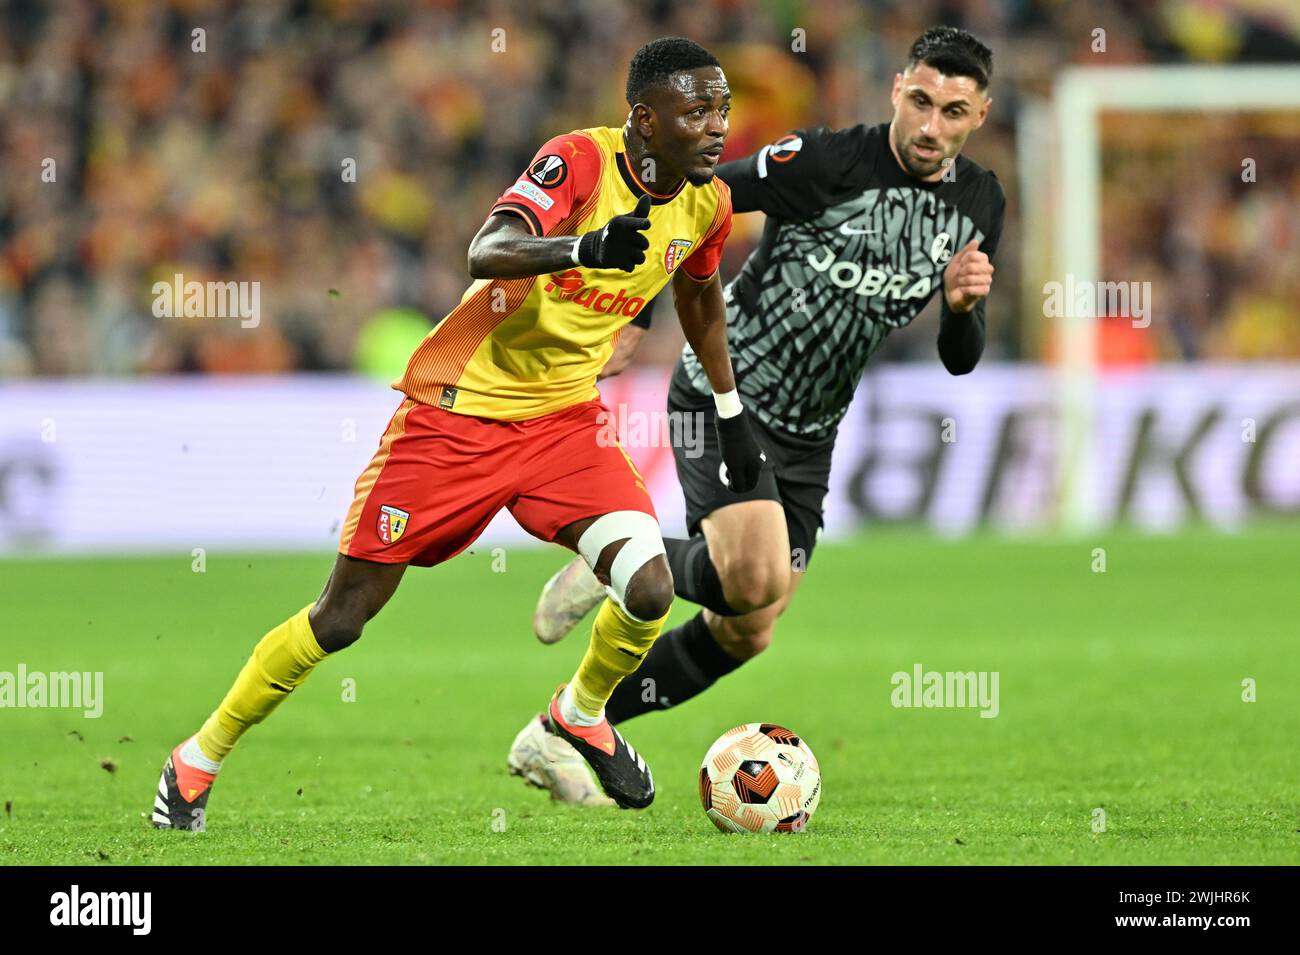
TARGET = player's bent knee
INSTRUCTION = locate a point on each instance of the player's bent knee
(757, 642)
(751, 585)
(650, 592)
(337, 623)
(744, 643)
(639, 577)
(333, 633)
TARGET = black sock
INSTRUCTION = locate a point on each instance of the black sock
(694, 576)
(682, 662)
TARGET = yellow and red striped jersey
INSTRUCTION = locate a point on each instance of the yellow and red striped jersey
(519, 348)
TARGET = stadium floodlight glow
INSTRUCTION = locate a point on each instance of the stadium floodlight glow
(1080, 96)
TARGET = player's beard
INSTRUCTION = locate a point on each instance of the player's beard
(702, 178)
(910, 163)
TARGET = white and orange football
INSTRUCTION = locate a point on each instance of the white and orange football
(760, 777)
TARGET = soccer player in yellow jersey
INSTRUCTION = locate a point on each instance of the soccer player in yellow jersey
(501, 411)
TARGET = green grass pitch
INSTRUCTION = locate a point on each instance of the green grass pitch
(1119, 691)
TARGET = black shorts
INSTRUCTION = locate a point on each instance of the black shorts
(796, 475)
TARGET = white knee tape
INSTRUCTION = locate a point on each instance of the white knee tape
(634, 555)
(645, 542)
(616, 526)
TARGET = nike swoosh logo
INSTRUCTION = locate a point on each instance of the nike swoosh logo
(634, 656)
(845, 230)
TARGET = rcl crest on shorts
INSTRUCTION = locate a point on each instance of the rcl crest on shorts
(392, 523)
(676, 252)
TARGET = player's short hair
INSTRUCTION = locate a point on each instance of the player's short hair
(659, 59)
(953, 52)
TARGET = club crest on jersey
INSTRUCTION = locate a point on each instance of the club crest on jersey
(939, 251)
(675, 253)
(392, 523)
(549, 171)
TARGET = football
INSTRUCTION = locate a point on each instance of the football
(760, 777)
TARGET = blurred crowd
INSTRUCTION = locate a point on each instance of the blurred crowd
(342, 153)
(1208, 209)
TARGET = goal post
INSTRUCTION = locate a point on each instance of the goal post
(1074, 153)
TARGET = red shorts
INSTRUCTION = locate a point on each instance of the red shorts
(439, 477)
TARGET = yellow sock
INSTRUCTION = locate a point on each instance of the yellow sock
(618, 644)
(280, 662)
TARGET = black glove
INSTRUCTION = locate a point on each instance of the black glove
(742, 458)
(618, 244)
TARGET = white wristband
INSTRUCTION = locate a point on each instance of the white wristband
(728, 404)
(574, 254)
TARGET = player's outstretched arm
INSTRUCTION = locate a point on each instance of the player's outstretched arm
(741, 177)
(703, 315)
(801, 173)
(506, 249)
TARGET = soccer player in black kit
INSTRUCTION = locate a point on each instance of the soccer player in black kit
(864, 226)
